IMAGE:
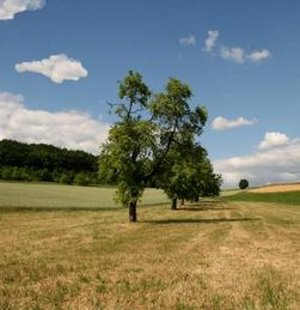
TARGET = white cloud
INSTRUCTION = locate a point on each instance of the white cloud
(211, 40)
(257, 56)
(57, 67)
(273, 139)
(270, 165)
(9, 8)
(235, 54)
(221, 123)
(188, 41)
(239, 55)
(70, 129)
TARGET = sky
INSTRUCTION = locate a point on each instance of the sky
(60, 63)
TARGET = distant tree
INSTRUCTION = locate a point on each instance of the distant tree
(190, 175)
(147, 128)
(243, 184)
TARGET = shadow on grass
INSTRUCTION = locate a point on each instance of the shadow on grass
(200, 221)
(213, 205)
(57, 209)
(203, 208)
(154, 204)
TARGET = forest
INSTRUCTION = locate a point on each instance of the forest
(42, 162)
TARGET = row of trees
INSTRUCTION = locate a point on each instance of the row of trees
(155, 140)
(41, 162)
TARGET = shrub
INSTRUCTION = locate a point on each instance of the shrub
(66, 178)
(243, 184)
(82, 179)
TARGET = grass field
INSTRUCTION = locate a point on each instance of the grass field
(292, 198)
(54, 196)
(213, 255)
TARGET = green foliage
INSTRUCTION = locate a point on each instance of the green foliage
(188, 174)
(67, 177)
(82, 179)
(16, 174)
(40, 162)
(149, 127)
(243, 184)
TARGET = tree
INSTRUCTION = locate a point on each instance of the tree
(243, 184)
(148, 127)
(190, 175)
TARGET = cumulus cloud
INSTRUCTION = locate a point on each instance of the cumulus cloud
(268, 165)
(211, 40)
(57, 67)
(239, 55)
(221, 123)
(188, 41)
(9, 8)
(257, 56)
(69, 129)
(273, 139)
(235, 54)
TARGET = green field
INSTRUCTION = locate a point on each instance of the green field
(292, 198)
(216, 254)
(54, 196)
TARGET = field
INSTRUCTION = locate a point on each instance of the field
(68, 247)
(277, 188)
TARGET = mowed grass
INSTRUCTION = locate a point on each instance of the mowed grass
(292, 198)
(210, 255)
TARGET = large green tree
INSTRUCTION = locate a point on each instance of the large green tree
(148, 127)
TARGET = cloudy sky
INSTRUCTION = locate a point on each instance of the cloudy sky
(60, 62)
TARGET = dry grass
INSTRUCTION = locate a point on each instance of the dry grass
(214, 255)
(277, 188)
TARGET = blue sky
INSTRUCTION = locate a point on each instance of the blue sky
(240, 58)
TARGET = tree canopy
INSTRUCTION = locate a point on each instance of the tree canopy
(243, 184)
(152, 130)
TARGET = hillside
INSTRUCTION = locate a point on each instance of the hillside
(43, 162)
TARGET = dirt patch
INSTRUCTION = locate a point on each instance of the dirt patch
(277, 188)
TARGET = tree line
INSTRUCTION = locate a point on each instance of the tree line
(42, 162)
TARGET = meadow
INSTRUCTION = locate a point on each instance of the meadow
(69, 247)
(291, 198)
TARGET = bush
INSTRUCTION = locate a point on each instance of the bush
(15, 174)
(82, 179)
(6, 173)
(243, 184)
(66, 178)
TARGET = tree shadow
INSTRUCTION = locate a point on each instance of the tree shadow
(203, 208)
(213, 205)
(200, 221)
(154, 204)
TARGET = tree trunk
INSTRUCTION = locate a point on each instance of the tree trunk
(196, 199)
(182, 202)
(174, 204)
(132, 212)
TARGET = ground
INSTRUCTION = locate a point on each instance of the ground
(217, 254)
